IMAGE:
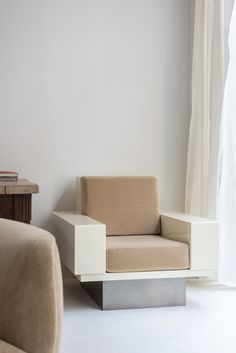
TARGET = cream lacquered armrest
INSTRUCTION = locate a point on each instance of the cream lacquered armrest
(81, 242)
(201, 234)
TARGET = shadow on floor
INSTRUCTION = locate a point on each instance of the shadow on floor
(75, 297)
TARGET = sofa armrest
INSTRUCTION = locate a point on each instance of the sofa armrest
(201, 234)
(81, 241)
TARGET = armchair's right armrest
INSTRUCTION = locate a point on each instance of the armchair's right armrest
(81, 241)
(202, 236)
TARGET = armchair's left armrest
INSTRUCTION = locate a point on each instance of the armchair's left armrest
(81, 241)
(202, 236)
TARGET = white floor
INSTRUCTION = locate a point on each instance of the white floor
(206, 325)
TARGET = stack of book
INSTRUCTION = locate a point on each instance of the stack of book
(6, 176)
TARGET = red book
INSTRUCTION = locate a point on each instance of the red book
(8, 172)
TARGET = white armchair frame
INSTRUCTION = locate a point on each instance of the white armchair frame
(82, 245)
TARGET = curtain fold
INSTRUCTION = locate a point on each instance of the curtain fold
(207, 97)
(227, 185)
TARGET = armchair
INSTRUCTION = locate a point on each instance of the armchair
(121, 244)
(30, 290)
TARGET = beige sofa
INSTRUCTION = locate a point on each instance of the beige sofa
(30, 290)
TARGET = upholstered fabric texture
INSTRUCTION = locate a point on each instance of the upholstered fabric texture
(145, 253)
(8, 348)
(127, 205)
(30, 289)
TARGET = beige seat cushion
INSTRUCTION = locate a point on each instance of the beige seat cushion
(8, 348)
(127, 205)
(145, 253)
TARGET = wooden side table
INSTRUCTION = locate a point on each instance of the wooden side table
(15, 200)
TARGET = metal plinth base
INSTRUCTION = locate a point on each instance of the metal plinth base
(130, 294)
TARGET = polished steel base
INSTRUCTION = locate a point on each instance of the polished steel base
(130, 294)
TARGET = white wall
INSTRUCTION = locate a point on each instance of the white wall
(94, 87)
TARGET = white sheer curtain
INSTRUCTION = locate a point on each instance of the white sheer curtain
(211, 166)
(227, 189)
(207, 97)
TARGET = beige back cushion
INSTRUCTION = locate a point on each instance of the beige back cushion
(127, 205)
